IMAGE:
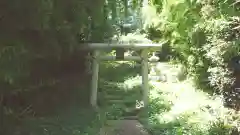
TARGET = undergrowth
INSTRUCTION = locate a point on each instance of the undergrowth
(175, 109)
(180, 108)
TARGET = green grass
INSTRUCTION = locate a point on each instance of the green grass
(77, 120)
(74, 122)
(175, 108)
(118, 71)
(180, 108)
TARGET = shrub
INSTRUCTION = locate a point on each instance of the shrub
(204, 36)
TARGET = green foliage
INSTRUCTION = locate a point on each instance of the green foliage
(51, 29)
(203, 34)
(41, 40)
(172, 111)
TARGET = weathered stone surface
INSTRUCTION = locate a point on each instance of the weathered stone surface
(123, 127)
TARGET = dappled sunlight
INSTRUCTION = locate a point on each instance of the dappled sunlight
(150, 16)
(64, 68)
(188, 105)
(175, 105)
(134, 38)
(132, 82)
(118, 64)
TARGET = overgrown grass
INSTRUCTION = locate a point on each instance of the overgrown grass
(77, 120)
(180, 108)
(118, 71)
(175, 108)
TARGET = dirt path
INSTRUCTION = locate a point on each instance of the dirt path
(123, 127)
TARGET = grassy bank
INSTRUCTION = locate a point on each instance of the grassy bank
(175, 108)
(180, 108)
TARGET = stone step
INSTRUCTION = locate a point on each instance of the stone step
(123, 127)
(161, 78)
(114, 92)
(132, 111)
(134, 115)
(129, 118)
(121, 96)
(125, 102)
(124, 95)
(126, 117)
(116, 101)
(114, 97)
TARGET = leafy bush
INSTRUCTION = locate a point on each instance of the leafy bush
(40, 43)
(173, 112)
(203, 34)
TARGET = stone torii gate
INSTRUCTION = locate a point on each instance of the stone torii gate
(120, 48)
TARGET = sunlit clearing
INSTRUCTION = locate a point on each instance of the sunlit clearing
(118, 64)
(188, 105)
(134, 38)
(150, 16)
(130, 83)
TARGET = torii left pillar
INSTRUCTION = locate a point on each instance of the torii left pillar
(94, 83)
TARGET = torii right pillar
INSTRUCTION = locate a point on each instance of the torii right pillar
(145, 86)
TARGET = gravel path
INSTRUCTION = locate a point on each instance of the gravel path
(123, 127)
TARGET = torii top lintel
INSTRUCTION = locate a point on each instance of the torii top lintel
(123, 46)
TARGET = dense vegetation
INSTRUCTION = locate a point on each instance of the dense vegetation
(41, 49)
(41, 59)
(204, 36)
